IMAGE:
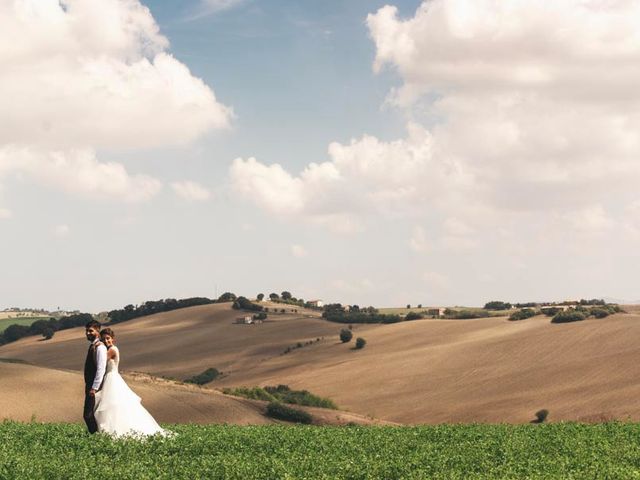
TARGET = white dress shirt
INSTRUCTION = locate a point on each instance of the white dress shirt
(101, 364)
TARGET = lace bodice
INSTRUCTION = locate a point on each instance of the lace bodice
(112, 363)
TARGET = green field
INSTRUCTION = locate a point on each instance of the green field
(568, 450)
(5, 322)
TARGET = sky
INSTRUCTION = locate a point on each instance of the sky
(446, 152)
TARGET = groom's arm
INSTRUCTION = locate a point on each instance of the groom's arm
(101, 366)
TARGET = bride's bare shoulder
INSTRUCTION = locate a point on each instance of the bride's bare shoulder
(114, 352)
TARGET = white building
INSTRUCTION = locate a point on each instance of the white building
(316, 303)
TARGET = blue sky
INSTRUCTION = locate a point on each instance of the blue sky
(422, 155)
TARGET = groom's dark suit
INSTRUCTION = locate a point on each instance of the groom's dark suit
(90, 371)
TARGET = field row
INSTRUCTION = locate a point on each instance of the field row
(272, 452)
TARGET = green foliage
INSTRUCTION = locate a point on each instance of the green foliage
(243, 303)
(413, 316)
(227, 297)
(209, 375)
(282, 393)
(541, 415)
(260, 297)
(497, 305)
(551, 311)
(255, 393)
(282, 412)
(345, 335)
(523, 314)
(16, 331)
(465, 314)
(360, 343)
(546, 451)
(569, 316)
(48, 333)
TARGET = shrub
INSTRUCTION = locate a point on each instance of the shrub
(413, 316)
(523, 314)
(243, 303)
(541, 415)
(282, 412)
(600, 312)
(255, 393)
(207, 376)
(360, 343)
(260, 316)
(551, 311)
(569, 316)
(496, 305)
(299, 397)
(48, 333)
(465, 314)
(345, 335)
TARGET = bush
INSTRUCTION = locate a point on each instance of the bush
(48, 333)
(207, 376)
(600, 312)
(541, 416)
(360, 343)
(255, 393)
(551, 311)
(523, 314)
(465, 314)
(282, 412)
(413, 316)
(496, 305)
(299, 397)
(569, 316)
(345, 335)
(243, 303)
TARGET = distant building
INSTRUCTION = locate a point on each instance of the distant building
(316, 303)
(436, 312)
(248, 320)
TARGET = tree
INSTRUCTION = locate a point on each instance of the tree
(360, 343)
(227, 297)
(48, 333)
(345, 335)
(274, 296)
(286, 295)
(419, 305)
(497, 305)
(408, 305)
(260, 297)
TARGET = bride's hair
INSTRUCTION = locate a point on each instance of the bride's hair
(107, 331)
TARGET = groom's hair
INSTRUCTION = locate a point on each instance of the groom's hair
(93, 324)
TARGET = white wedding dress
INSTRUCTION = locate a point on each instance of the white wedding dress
(118, 409)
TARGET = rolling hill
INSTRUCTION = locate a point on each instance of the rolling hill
(425, 371)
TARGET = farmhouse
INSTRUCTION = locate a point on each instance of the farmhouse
(316, 303)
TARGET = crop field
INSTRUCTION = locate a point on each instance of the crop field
(563, 450)
(5, 322)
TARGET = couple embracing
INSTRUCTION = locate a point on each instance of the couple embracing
(110, 406)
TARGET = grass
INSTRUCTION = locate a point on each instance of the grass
(546, 451)
(5, 322)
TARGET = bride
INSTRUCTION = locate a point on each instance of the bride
(118, 409)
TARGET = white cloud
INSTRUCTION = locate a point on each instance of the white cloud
(91, 74)
(191, 191)
(78, 171)
(61, 231)
(418, 241)
(532, 107)
(436, 281)
(299, 251)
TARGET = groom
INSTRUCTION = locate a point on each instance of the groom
(94, 368)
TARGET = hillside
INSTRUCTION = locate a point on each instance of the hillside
(426, 371)
(30, 393)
